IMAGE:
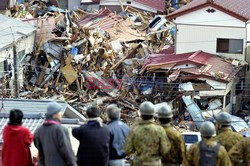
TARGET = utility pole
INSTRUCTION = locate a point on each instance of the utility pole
(15, 66)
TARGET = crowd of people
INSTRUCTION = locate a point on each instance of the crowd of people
(149, 142)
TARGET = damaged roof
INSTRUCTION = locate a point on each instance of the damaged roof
(239, 9)
(30, 121)
(157, 4)
(205, 64)
(118, 28)
(103, 19)
(38, 107)
(13, 30)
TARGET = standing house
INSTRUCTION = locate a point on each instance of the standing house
(214, 26)
(218, 27)
(14, 31)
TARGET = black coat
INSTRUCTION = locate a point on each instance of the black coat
(53, 144)
(94, 144)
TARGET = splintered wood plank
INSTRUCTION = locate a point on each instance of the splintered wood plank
(41, 77)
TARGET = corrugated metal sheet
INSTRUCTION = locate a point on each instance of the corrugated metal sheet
(11, 29)
(208, 64)
(30, 121)
(118, 28)
(104, 20)
(194, 111)
(38, 107)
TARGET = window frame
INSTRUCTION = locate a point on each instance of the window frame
(228, 52)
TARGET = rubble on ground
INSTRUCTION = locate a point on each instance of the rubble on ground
(91, 58)
(105, 57)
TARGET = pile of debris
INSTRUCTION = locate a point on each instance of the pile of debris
(91, 58)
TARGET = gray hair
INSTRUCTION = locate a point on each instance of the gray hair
(113, 112)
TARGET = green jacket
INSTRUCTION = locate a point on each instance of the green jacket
(148, 142)
(241, 152)
(227, 138)
(178, 148)
(193, 155)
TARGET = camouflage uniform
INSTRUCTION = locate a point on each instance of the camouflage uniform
(193, 155)
(148, 142)
(178, 148)
(241, 151)
(227, 138)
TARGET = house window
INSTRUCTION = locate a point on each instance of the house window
(228, 98)
(3, 67)
(21, 54)
(233, 46)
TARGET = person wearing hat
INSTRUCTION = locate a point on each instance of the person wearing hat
(118, 134)
(178, 148)
(52, 140)
(207, 152)
(225, 135)
(147, 140)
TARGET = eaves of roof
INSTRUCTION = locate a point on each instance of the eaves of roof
(189, 10)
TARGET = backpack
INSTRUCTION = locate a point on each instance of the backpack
(208, 155)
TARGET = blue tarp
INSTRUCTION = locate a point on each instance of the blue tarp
(194, 111)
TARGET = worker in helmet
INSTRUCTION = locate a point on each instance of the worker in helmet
(225, 135)
(147, 140)
(240, 153)
(178, 148)
(207, 152)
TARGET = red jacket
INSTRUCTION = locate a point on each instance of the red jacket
(16, 143)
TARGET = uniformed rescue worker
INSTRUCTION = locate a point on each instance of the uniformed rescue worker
(225, 135)
(207, 152)
(178, 148)
(146, 140)
(240, 153)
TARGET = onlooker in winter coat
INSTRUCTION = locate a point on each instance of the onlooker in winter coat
(94, 140)
(16, 142)
(118, 134)
(52, 140)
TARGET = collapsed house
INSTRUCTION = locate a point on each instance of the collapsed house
(90, 58)
(213, 82)
(104, 57)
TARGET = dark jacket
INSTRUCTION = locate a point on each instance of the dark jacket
(16, 146)
(118, 134)
(53, 144)
(94, 144)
